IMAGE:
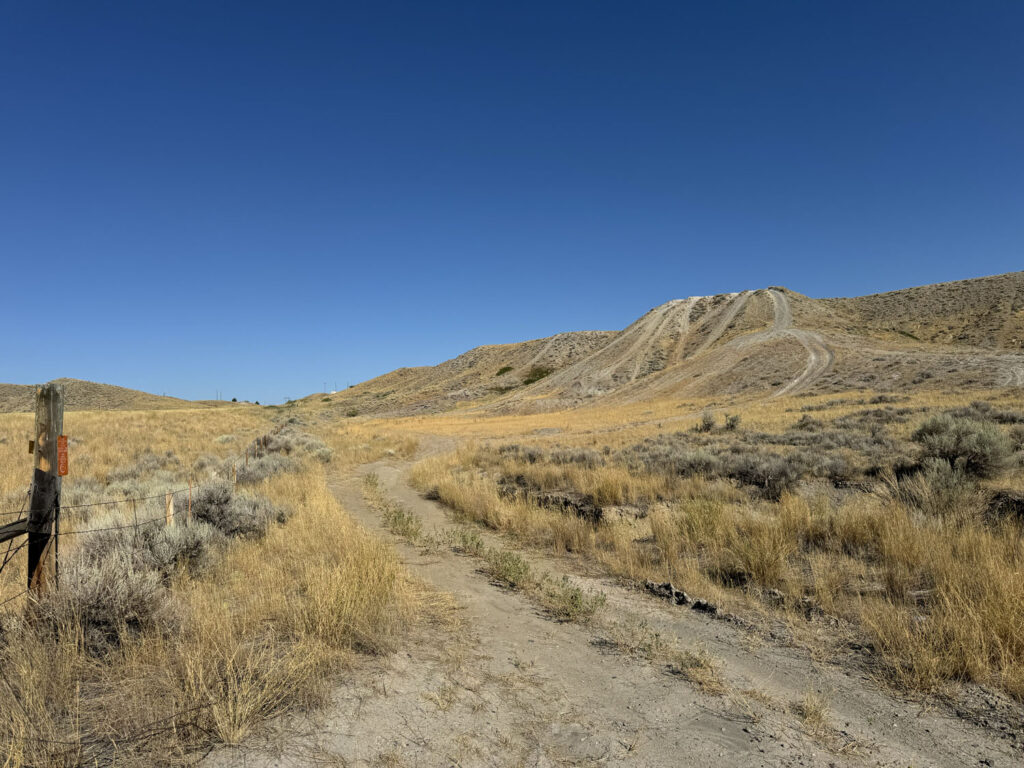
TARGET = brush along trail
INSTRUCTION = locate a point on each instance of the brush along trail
(506, 684)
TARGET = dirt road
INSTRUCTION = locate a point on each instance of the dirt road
(510, 686)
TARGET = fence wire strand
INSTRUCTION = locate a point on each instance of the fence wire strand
(60, 509)
(14, 597)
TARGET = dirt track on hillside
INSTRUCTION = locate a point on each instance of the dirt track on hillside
(735, 306)
(819, 356)
(1014, 376)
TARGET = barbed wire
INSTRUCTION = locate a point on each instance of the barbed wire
(14, 597)
(235, 459)
(126, 500)
(10, 554)
(21, 511)
(82, 531)
(134, 525)
(154, 728)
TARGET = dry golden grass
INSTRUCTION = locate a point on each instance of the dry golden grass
(265, 630)
(560, 598)
(624, 424)
(941, 595)
(814, 712)
(105, 440)
(360, 443)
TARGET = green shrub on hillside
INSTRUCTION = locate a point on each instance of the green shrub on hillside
(536, 373)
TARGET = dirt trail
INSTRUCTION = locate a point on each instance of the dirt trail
(718, 360)
(819, 356)
(1014, 376)
(543, 351)
(512, 687)
(630, 355)
(722, 325)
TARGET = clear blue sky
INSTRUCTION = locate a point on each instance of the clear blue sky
(258, 198)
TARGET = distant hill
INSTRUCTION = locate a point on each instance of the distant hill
(483, 372)
(89, 396)
(773, 341)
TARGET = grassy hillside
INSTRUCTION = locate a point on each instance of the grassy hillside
(482, 374)
(89, 396)
(92, 396)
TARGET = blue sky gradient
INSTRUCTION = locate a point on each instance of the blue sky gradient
(257, 198)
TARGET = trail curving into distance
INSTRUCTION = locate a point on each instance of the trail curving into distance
(819, 356)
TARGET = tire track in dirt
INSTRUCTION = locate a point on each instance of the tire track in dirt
(628, 354)
(737, 304)
(553, 691)
(1014, 376)
(678, 315)
(512, 687)
(543, 351)
(819, 356)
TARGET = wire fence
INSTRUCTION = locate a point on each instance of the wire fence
(97, 750)
(259, 448)
(60, 510)
(235, 460)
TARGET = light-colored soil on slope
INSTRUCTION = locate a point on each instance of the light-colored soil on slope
(950, 336)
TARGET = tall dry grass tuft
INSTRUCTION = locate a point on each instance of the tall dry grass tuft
(263, 630)
(913, 560)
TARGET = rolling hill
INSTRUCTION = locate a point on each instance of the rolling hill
(770, 341)
(89, 396)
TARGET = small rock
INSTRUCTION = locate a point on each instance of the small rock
(665, 589)
(704, 606)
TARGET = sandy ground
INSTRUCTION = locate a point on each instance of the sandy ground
(509, 686)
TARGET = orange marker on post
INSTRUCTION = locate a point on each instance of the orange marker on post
(62, 455)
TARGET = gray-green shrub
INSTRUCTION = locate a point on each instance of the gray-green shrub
(259, 469)
(193, 547)
(942, 490)
(706, 423)
(978, 448)
(235, 514)
(103, 602)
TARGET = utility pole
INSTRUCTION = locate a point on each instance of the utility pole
(45, 505)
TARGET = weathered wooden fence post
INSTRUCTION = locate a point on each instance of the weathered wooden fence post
(168, 509)
(45, 505)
